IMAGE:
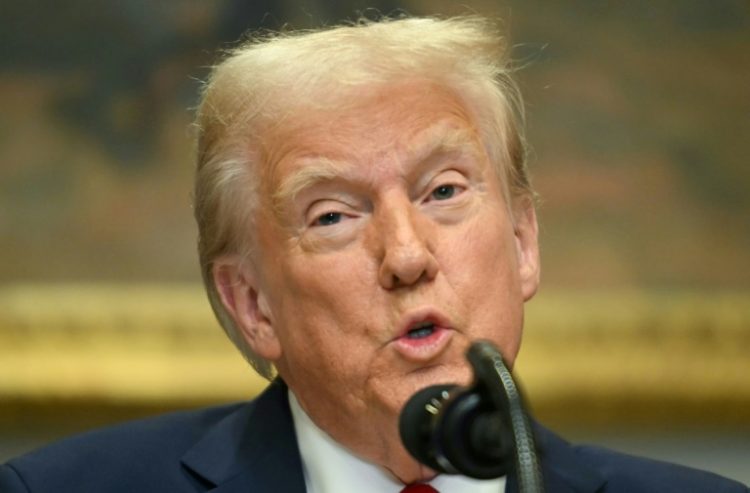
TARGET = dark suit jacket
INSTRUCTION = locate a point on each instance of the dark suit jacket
(252, 448)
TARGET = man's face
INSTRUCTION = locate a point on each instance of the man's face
(386, 247)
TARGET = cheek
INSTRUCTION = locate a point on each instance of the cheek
(322, 282)
(325, 305)
(483, 253)
(485, 277)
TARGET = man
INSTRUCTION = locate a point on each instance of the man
(364, 215)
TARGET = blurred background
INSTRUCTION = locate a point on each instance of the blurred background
(639, 121)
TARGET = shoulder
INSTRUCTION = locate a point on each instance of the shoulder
(136, 456)
(624, 473)
(630, 473)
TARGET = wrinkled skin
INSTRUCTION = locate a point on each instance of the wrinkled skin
(404, 221)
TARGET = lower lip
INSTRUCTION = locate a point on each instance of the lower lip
(423, 349)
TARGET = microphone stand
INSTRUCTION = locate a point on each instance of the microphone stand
(489, 367)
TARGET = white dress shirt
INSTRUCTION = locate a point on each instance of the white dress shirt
(331, 468)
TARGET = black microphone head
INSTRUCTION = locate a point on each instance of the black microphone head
(416, 423)
(471, 431)
(473, 437)
(456, 430)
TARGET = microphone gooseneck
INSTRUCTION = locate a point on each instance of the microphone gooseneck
(481, 431)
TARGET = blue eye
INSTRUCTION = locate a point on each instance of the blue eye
(443, 192)
(328, 219)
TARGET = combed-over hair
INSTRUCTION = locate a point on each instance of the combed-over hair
(271, 77)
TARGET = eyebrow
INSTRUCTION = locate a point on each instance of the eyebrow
(318, 170)
(438, 140)
(434, 140)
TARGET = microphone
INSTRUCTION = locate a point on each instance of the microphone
(481, 431)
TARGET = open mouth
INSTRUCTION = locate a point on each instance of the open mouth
(421, 330)
(424, 340)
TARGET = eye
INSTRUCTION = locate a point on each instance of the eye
(328, 219)
(443, 192)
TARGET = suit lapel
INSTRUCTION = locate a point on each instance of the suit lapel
(253, 449)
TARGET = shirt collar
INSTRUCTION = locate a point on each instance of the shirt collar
(330, 467)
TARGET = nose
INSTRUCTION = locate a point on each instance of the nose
(406, 247)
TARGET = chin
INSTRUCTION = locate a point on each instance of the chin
(440, 374)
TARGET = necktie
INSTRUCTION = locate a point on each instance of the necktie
(419, 488)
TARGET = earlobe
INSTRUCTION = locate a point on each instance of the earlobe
(526, 232)
(242, 298)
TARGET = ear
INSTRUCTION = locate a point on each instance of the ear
(238, 288)
(526, 232)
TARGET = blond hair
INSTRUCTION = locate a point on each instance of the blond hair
(266, 80)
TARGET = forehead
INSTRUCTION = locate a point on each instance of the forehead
(377, 126)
